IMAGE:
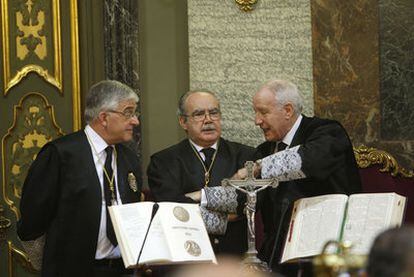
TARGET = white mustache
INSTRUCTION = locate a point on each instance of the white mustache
(208, 127)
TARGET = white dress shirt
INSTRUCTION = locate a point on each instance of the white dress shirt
(104, 249)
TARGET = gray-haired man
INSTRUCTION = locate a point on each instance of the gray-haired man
(72, 182)
(310, 156)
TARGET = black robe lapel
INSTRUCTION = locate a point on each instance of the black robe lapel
(300, 132)
(192, 162)
(91, 179)
(222, 164)
(126, 191)
(92, 175)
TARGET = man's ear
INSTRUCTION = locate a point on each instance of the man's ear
(183, 120)
(289, 110)
(102, 118)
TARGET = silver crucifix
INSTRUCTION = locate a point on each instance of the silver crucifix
(251, 186)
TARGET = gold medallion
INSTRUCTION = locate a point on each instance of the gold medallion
(132, 181)
(192, 248)
(181, 214)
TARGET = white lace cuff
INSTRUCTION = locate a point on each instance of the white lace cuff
(222, 199)
(284, 165)
(216, 222)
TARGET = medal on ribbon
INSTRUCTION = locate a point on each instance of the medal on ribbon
(132, 182)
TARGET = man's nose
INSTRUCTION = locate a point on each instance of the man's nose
(257, 120)
(135, 120)
(207, 117)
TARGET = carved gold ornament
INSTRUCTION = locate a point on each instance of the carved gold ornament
(367, 156)
(246, 5)
(33, 126)
(32, 40)
(342, 260)
(18, 256)
(5, 223)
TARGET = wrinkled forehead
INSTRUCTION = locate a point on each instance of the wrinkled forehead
(201, 101)
(264, 97)
(127, 104)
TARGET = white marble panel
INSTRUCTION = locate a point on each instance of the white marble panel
(233, 52)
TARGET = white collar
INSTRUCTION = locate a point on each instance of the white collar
(199, 148)
(289, 136)
(95, 139)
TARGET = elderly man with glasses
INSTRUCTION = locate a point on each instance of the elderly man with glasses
(64, 206)
(201, 160)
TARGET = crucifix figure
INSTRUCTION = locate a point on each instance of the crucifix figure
(251, 186)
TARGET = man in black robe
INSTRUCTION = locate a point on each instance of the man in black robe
(72, 182)
(310, 156)
(201, 160)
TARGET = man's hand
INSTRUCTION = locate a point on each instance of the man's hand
(195, 195)
(233, 217)
(241, 174)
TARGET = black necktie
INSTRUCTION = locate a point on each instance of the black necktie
(281, 146)
(208, 153)
(108, 172)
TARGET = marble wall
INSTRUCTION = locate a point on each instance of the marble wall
(363, 56)
(397, 69)
(121, 49)
(346, 65)
(232, 53)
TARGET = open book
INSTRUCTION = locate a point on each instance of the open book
(177, 233)
(358, 218)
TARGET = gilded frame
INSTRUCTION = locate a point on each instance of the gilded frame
(56, 79)
(6, 198)
(369, 156)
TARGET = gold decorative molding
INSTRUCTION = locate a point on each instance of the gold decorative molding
(5, 223)
(16, 255)
(75, 65)
(246, 5)
(30, 42)
(333, 263)
(33, 126)
(368, 156)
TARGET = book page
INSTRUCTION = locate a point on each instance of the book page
(314, 221)
(368, 215)
(185, 231)
(130, 223)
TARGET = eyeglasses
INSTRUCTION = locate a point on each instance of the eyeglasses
(128, 114)
(201, 115)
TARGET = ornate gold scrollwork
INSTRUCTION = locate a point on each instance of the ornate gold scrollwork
(246, 5)
(342, 262)
(75, 65)
(27, 42)
(34, 125)
(16, 255)
(367, 156)
(5, 223)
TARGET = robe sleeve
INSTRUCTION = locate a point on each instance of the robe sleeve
(164, 182)
(321, 154)
(325, 150)
(40, 195)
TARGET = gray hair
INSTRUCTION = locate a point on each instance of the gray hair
(285, 92)
(181, 103)
(106, 95)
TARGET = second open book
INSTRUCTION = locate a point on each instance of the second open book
(177, 233)
(358, 218)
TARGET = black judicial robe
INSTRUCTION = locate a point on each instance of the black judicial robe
(62, 199)
(328, 162)
(176, 171)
